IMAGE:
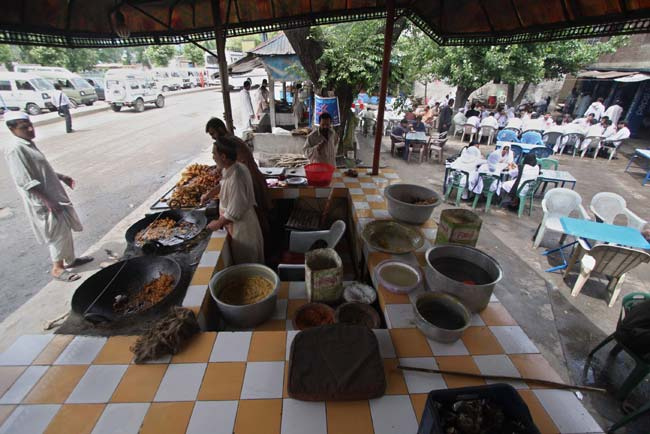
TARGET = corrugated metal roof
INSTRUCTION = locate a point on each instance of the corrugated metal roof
(276, 46)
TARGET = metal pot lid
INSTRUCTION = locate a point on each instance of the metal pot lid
(392, 237)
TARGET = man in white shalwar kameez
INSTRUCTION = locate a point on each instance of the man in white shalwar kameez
(614, 112)
(237, 206)
(247, 112)
(322, 143)
(49, 210)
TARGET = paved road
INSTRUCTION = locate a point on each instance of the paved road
(118, 160)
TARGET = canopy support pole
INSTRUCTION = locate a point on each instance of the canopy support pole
(272, 101)
(220, 35)
(385, 69)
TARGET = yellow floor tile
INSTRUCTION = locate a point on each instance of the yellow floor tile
(75, 418)
(497, 315)
(363, 213)
(5, 411)
(202, 275)
(283, 290)
(216, 244)
(377, 205)
(139, 383)
(370, 191)
(53, 350)
(540, 416)
(348, 417)
(8, 375)
(375, 258)
(349, 185)
(293, 306)
(535, 366)
(56, 385)
(272, 325)
(430, 224)
(267, 347)
(198, 350)
(358, 197)
(222, 381)
(167, 417)
(395, 384)
(387, 297)
(419, 401)
(116, 350)
(481, 341)
(258, 416)
(365, 179)
(421, 257)
(461, 364)
(410, 343)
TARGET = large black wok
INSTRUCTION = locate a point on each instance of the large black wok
(198, 218)
(136, 273)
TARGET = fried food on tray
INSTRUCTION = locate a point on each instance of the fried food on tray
(159, 229)
(152, 293)
(191, 172)
(196, 180)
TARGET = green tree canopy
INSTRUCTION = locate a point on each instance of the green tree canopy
(6, 56)
(160, 55)
(194, 54)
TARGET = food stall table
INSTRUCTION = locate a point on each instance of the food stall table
(236, 381)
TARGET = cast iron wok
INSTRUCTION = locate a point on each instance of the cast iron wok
(198, 218)
(136, 273)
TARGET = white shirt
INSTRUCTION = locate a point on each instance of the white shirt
(595, 130)
(597, 108)
(548, 123)
(582, 122)
(490, 121)
(533, 124)
(609, 131)
(474, 120)
(57, 96)
(622, 134)
(514, 123)
(246, 105)
(614, 113)
(321, 154)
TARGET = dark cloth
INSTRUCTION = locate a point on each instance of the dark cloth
(444, 121)
(634, 330)
(398, 131)
(65, 110)
(335, 362)
(419, 126)
(472, 112)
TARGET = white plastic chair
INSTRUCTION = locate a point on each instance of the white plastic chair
(606, 206)
(487, 131)
(610, 260)
(300, 242)
(612, 146)
(557, 203)
(469, 129)
(594, 143)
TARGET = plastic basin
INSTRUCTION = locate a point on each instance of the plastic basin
(400, 198)
(319, 174)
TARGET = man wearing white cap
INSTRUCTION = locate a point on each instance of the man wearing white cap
(48, 207)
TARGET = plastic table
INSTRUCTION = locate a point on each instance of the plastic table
(558, 176)
(413, 136)
(525, 147)
(641, 153)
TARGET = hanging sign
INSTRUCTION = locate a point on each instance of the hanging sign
(327, 105)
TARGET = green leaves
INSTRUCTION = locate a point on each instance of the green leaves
(160, 55)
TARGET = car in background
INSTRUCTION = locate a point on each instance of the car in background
(98, 84)
(78, 90)
(22, 91)
(131, 88)
(167, 79)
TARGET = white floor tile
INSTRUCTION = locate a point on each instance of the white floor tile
(97, 385)
(121, 418)
(263, 380)
(356, 191)
(23, 385)
(29, 419)
(457, 348)
(374, 197)
(393, 414)
(25, 349)
(477, 320)
(386, 348)
(429, 233)
(181, 382)
(361, 205)
(209, 258)
(422, 382)
(514, 340)
(231, 347)
(290, 335)
(367, 185)
(567, 412)
(380, 213)
(194, 295)
(400, 316)
(215, 417)
(280, 311)
(499, 365)
(81, 351)
(301, 417)
(297, 290)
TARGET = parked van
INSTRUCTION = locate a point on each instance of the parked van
(21, 91)
(131, 88)
(78, 90)
(97, 82)
(167, 79)
(190, 77)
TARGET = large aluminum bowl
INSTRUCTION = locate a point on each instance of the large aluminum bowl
(399, 198)
(250, 315)
(449, 304)
(463, 263)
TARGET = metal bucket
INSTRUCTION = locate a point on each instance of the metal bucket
(399, 200)
(458, 226)
(463, 272)
(448, 303)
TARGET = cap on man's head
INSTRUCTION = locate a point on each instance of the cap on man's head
(15, 116)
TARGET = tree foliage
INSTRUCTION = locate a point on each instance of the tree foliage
(194, 54)
(74, 59)
(160, 55)
(6, 56)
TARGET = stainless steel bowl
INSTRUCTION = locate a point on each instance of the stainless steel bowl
(445, 302)
(399, 198)
(250, 315)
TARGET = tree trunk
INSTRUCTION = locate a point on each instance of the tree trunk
(521, 94)
(461, 96)
(308, 50)
(510, 94)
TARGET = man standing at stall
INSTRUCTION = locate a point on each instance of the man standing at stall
(48, 207)
(247, 112)
(322, 143)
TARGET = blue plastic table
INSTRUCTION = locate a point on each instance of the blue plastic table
(525, 147)
(641, 153)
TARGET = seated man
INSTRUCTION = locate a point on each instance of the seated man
(594, 130)
(534, 123)
(419, 125)
(585, 122)
(398, 134)
(428, 116)
(621, 134)
(474, 121)
(490, 121)
(514, 122)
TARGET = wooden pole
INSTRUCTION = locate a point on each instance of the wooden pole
(385, 68)
(220, 34)
(272, 101)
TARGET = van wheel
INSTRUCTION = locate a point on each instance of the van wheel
(165, 89)
(33, 109)
(139, 105)
(160, 101)
(90, 103)
(116, 108)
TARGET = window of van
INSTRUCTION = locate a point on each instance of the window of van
(24, 85)
(42, 84)
(80, 83)
(5, 85)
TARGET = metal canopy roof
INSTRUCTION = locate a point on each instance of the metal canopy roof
(92, 23)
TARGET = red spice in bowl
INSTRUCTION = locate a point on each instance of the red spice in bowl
(313, 315)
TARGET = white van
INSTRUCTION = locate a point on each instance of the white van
(167, 79)
(21, 91)
(190, 77)
(78, 90)
(131, 88)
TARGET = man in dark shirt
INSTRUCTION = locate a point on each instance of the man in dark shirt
(398, 135)
(446, 112)
(472, 111)
(419, 125)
